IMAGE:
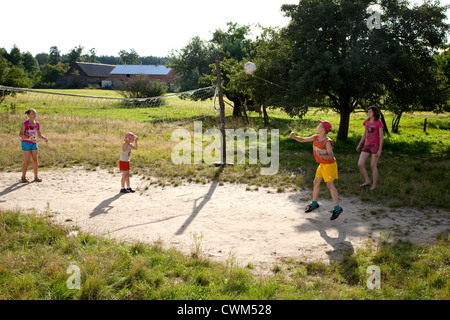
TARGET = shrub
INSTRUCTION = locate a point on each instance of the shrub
(141, 87)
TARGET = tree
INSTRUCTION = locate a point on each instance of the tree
(42, 58)
(272, 53)
(12, 76)
(233, 46)
(233, 43)
(50, 73)
(3, 53)
(15, 56)
(338, 62)
(192, 62)
(74, 55)
(30, 64)
(413, 86)
(236, 86)
(443, 64)
(91, 56)
(411, 77)
(130, 58)
(152, 60)
(195, 62)
(330, 55)
(54, 56)
(108, 59)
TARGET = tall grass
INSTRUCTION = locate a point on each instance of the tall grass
(413, 168)
(35, 256)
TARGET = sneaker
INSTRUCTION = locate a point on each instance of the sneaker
(123, 190)
(310, 207)
(131, 190)
(335, 213)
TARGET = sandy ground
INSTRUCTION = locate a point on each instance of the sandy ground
(224, 222)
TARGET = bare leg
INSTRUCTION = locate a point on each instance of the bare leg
(374, 167)
(26, 162)
(122, 181)
(334, 193)
(362, 166)
(34, 159)
(127, 179)
(316, 190)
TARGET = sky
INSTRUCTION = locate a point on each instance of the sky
(151, 28)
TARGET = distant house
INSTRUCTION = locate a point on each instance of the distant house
(83, 74)
(123, 73)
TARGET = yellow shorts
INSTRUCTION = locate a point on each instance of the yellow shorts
(328, 172)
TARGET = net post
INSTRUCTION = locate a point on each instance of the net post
(223, 161)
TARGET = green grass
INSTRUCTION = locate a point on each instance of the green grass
(88, 92)
(89, 134)
(35, 255)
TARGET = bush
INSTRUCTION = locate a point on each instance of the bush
(141, 87)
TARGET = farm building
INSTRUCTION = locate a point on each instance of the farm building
(83, 74)
(153, 72)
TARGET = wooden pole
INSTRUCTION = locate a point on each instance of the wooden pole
(425, 125)
(223, 161)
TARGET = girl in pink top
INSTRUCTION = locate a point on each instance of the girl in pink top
(373, 144)
(29, 132)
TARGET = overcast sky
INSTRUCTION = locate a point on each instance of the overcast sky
(152, 28)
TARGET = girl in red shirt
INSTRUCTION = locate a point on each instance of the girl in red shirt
(373, 144)
(29, 132)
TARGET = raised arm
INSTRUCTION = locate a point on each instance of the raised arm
(135, 144)
(300, 139)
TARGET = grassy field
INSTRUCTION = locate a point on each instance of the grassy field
(90, 134)
(34, 254)
(35, 257)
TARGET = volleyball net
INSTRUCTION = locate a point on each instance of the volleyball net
(76, 116)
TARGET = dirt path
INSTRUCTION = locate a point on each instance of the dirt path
(226, 222)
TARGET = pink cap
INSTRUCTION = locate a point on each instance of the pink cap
(129, 135)
(326, 124)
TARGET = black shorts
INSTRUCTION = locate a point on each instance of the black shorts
(371, 148)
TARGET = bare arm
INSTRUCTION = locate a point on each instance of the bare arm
(361, 141)
(134, 145)
(41, 136)
(330, 154)
(300, 139)
(381, 142)
(22, 132)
